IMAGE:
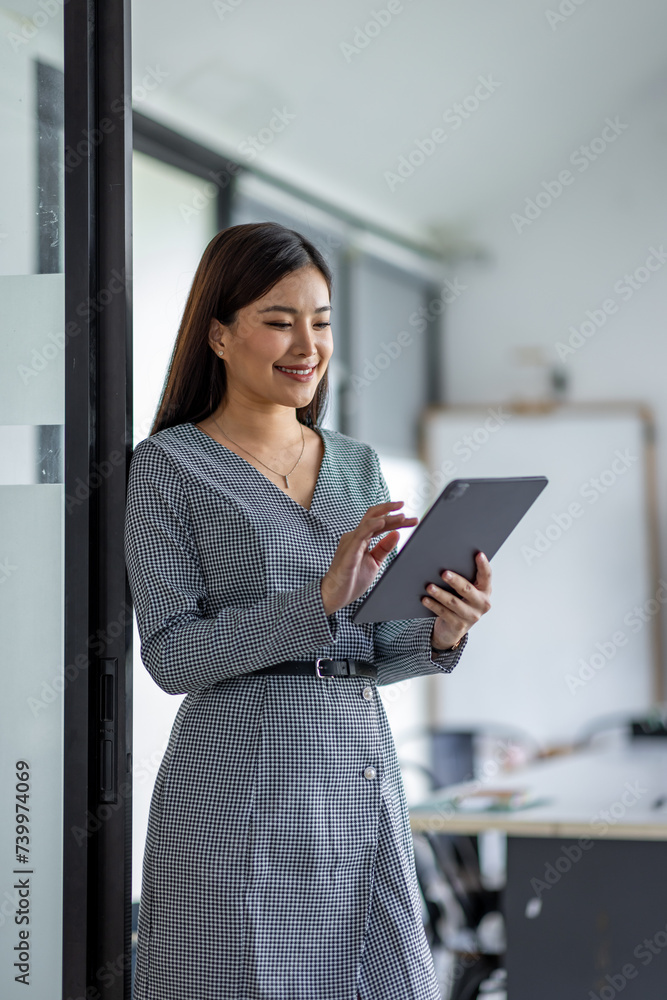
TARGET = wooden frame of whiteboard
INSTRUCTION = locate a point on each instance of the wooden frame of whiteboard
(536, 408)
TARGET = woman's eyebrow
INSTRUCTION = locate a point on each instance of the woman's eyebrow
(290, 309)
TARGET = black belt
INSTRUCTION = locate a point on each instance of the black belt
(323, 667)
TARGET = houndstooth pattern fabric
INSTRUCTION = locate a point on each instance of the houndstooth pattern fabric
(277, 866)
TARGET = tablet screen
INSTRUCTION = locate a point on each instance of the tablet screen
(469, 516)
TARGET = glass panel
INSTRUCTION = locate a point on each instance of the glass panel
(167, 246)
(32, 501)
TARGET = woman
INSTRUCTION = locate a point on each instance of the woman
(279, 860)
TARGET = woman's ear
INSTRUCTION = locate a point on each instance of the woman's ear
(214, 335)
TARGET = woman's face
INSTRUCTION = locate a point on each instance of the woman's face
(290, 327)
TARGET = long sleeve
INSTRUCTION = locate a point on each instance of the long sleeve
(183, 646)
(403, 649)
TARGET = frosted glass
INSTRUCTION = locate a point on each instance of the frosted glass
(32, 509)
(31, 730)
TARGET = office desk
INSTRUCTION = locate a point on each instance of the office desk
(586, 897)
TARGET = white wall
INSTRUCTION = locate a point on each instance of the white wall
(569, 260)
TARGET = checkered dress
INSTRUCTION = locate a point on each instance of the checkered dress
(279, 860)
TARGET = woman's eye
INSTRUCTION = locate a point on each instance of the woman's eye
(284, 325)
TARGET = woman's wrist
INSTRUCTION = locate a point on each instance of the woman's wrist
(447, 649)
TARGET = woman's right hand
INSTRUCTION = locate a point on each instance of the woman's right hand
(355, 566)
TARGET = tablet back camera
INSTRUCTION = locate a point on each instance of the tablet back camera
(457, 490)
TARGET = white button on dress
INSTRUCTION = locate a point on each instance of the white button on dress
(369, 773)
(368, 693)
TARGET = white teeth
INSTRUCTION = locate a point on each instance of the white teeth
(296, 371)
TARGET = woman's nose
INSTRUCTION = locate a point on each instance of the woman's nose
(305, 336)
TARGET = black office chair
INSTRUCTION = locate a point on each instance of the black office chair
(651, 725)
(456, 906)
(457, 903)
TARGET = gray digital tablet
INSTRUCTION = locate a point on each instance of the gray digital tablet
(469, 516)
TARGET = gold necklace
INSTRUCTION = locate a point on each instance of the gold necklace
(303, 444)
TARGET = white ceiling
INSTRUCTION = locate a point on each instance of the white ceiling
(229, 64)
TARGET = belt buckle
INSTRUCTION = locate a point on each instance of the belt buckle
(317, 667)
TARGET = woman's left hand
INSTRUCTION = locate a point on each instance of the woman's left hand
(455, 614)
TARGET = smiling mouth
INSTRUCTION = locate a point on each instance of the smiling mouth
(296, 372)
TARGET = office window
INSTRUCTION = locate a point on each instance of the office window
(169, 239)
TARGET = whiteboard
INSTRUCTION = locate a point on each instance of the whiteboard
(572, 631)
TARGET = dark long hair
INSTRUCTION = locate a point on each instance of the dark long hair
(239, 265)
